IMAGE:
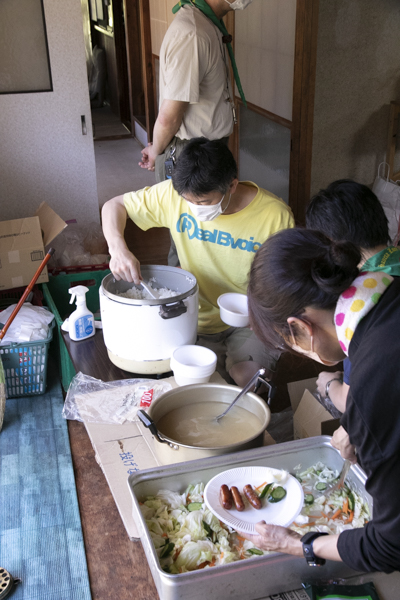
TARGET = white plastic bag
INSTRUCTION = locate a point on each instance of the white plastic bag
(388, 193)
(30, 324)
(95, 401)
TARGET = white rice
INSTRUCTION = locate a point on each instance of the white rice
(137, 293)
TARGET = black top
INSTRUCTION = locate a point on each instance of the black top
(372, 420)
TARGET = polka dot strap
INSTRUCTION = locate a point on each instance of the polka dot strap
(355, 302)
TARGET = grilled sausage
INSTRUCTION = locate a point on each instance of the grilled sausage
(237, 498)
(252, 497)
(225, 497)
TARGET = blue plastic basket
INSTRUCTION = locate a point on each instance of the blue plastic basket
(25, 366)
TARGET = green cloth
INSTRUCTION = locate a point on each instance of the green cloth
(387, 260)
(208, 11)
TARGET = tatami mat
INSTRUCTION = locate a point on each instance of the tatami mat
(41, 538)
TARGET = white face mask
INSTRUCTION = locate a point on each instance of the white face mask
(310, 353)
(239, 4)
(209, 212)
(313, 356)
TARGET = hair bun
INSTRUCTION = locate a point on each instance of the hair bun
(337, 268)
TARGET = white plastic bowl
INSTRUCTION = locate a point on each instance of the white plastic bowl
(233, 309)
(193, 364)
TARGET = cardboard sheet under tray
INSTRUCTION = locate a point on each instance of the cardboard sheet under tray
(257, 577)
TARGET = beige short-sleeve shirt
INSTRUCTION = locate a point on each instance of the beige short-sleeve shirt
(194, 68)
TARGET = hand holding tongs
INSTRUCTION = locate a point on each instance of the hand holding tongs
(332, 487)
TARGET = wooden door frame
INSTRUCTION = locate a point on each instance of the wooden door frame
(140, 67)
(305, 62)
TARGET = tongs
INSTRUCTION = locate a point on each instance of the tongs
(256, 379)
(332, 487)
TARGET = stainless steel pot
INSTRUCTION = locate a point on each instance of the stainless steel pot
(169, 451)
(141, 335)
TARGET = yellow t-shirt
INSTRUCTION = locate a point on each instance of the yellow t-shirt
(219, 253)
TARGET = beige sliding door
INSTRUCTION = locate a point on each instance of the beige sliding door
(265, 50)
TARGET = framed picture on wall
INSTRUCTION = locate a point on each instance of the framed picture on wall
(24, 54)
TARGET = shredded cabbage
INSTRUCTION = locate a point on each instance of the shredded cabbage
(341, 510)
(188, 540)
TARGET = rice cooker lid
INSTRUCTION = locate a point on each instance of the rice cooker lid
(173, 278)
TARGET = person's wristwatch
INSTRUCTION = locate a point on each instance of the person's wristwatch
(307, 541)
(328, 385)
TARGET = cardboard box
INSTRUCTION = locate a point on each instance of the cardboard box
(22, 243)
(310, 418)
(127, 448)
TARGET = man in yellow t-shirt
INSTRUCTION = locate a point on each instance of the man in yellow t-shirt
(217, 224)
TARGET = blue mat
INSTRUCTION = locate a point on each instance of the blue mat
(40, 529)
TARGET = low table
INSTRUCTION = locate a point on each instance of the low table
(117, 566)
(91, 358)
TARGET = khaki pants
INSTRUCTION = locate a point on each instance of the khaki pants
(235, 345)
(176, 143)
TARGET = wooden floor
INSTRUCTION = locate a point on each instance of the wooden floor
(117, 566)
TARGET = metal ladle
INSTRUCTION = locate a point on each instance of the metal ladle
(256, 379)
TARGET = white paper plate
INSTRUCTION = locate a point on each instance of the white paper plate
(279, 513)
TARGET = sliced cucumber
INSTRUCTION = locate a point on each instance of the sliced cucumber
(207, 529)
(351, 501)
(255, 551)
(308, 499)
(321, 486)
(194, 506)
(167, 550)
(277, 494)
(265, 490)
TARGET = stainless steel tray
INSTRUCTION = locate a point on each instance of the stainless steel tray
(257, 577)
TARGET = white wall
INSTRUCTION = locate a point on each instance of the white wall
(264, 50)
(358, 74)
(43, 154)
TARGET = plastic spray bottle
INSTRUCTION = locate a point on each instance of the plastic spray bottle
(81, 321)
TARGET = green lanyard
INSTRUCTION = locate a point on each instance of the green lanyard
(387, 260)
(208, 11)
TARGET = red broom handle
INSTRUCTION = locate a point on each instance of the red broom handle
(26, 292)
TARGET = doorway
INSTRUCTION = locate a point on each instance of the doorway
(106, 59)
(117, 38)
(121, 117)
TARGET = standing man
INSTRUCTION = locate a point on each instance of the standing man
(196, 97)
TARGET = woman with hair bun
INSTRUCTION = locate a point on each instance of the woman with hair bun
(306, 294)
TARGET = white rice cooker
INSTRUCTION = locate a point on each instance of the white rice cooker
(141, 335)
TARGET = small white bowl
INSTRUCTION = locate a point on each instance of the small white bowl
(233, 309)
(193, 364)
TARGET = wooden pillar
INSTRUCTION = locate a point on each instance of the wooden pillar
(303, 106)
